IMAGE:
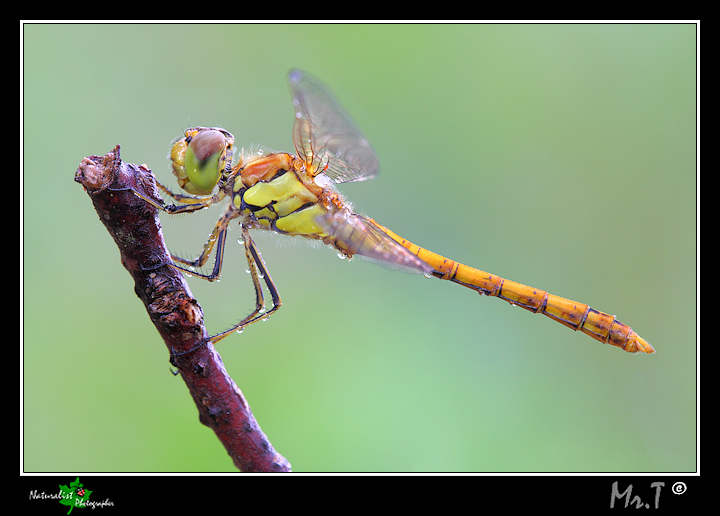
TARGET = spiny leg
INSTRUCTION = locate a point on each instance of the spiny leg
(185, 198)
(258, 270)
(257, 267)
(201, 202)
(218, 234)
(217, 237)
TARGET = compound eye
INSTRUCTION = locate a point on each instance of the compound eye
(205, 160)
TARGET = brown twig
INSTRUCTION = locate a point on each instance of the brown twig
(135, 227)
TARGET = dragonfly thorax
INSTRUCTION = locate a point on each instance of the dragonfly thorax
(271, 193)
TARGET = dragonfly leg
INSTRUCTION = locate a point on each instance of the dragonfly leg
(202, 202)
(184, 198)
(217, 237)
(258, 271)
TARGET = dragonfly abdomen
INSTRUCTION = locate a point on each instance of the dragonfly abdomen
(578, 316)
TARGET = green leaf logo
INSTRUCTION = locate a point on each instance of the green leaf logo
(74, 495)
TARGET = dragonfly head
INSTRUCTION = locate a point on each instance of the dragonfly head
(201, 158)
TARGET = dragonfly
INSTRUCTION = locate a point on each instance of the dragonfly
(295, 194)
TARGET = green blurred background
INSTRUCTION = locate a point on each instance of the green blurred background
(560, 156)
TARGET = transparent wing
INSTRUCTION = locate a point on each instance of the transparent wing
(362, 236)
(324, 134)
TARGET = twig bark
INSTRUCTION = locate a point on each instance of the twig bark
(135, 227)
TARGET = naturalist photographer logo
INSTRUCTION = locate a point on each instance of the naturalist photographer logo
(72, 496)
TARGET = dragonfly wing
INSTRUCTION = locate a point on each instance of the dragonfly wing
(324, 134)
(355, 234)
